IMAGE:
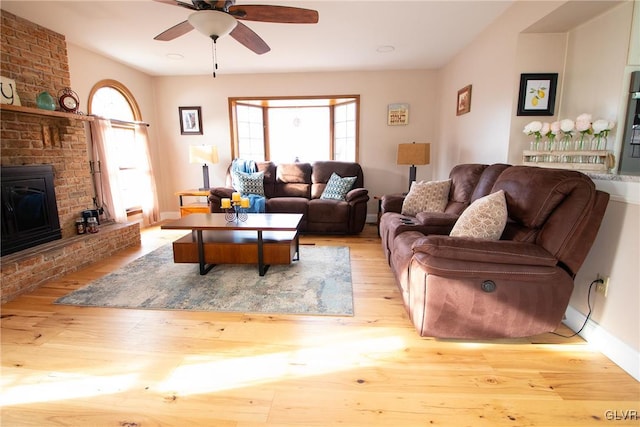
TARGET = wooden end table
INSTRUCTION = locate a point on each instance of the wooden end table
(193, 207)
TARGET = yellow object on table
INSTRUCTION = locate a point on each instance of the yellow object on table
(225, 203)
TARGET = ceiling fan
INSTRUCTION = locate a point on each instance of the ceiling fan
(219, 18)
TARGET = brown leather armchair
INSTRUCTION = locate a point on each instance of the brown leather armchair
(520, 285)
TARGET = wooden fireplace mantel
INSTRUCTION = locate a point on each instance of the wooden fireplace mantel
(41, 112)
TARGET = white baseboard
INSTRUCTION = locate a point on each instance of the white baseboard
(620, 353)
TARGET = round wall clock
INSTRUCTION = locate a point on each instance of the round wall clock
(68, 100)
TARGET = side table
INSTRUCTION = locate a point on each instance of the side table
(194, 207)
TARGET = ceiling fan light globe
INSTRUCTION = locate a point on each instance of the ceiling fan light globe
(212, 22)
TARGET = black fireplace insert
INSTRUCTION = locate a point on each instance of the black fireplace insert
(29, 210)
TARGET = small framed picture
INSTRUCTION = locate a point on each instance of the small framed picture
(464, 101)
(190, 120)
(537, 94)
(398, 114)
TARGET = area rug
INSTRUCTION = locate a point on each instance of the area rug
(318, 284)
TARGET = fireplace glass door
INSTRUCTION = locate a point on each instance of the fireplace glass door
(29, 211)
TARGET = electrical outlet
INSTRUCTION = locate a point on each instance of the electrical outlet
(602, 288)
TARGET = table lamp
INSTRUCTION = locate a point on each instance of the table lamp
(413, 154)
(204, 154)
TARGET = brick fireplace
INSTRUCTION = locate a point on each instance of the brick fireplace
(36, 58)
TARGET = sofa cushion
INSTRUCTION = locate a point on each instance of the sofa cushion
(248, 183)
(338, 187)
(322, 171)
(484, 219)
(464, 179)
(430, 196)
(328, 210)
(293, 180)
(288, 205)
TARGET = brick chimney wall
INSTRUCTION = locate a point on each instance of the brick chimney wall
(36, 58)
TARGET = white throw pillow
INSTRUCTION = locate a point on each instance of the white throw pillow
(426, 196)
(483, 219)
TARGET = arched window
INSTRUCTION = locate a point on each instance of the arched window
(111, 99)
(126, 151)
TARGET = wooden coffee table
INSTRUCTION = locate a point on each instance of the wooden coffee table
(262, 239)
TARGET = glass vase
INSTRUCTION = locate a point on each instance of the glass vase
(45, 101)
(599, 143)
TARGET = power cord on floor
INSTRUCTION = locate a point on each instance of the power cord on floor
(588, 314)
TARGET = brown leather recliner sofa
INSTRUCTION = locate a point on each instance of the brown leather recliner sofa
(297, 187)
(517, 286)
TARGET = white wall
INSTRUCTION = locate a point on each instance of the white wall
(489, 64)
(87, 69)
(535, 53)
(595, 72)
(596, 80)
(378, 141)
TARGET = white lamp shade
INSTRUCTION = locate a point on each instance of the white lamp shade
(212, 22)
(203, 154)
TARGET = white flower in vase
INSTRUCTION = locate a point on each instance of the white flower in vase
(600, 125)
(567, 126)
(583, 125)
(554, 131)
(534, 128)
(601, 129)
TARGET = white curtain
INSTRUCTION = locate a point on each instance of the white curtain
(149, 197)
(106, 171)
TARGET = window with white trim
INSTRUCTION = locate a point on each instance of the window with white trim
(303, 129)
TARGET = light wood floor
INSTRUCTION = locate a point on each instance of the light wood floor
(73, 366)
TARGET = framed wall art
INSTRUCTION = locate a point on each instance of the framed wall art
(537, 95)
(398, 114)
(464, 101)
(190, 120)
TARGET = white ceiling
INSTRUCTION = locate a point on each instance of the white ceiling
(425, 34)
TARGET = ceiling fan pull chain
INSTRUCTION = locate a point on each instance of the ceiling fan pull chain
(214, 55)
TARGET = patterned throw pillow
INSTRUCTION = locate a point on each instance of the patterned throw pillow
(426, 196)
(249, 183)
(483, 219)
(337, 187)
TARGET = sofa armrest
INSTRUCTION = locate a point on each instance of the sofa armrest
(357, 195)
(216, 194)
(392, 203)
(467, 250)
(441, 219)
(220, 192)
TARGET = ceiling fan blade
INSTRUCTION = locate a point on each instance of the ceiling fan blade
(174, 32)
(177, 3)
(247, 37)
(280, 14)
